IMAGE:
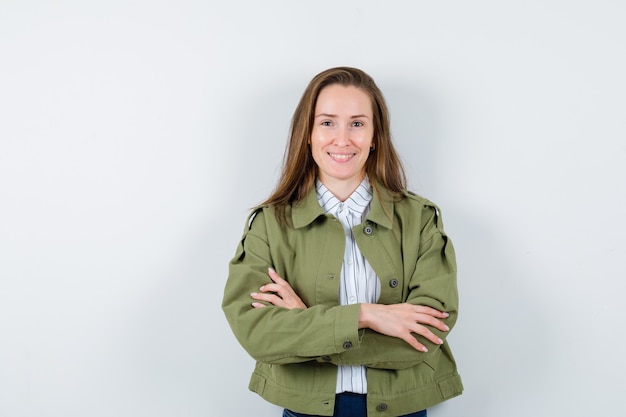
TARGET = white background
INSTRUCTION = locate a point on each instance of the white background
(136, 134)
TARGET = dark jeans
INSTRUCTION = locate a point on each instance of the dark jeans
(350, 405)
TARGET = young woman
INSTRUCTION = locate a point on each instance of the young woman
(343, 286)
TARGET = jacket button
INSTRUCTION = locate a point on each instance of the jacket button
(393, 283)
(347, 345)
(381, 407)
(326, 358)
(368, 230)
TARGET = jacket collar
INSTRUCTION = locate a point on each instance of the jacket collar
(308, 209)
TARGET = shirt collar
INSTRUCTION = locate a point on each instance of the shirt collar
(381, 211)
(357, 203)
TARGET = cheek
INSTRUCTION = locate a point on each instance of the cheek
(316, 148)
(367, 140)
(318, 141)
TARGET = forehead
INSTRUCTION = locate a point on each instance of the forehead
(341, 99)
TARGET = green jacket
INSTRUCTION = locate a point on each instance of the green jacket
(297, 351)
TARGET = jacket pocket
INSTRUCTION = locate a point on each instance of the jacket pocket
(257, 383)
(451, 387)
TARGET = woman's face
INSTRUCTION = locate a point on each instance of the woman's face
(343, 130)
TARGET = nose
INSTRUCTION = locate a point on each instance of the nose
(342, 137)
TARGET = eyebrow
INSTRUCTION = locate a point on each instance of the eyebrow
(356, 116)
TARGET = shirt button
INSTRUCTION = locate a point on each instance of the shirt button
(347, 345)
(381, 407)
(393, 283)
(352, 299)
(368, 230)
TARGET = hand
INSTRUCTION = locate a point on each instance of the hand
(402, 320)
(278, 293)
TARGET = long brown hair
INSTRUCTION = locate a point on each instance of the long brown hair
(383, 166)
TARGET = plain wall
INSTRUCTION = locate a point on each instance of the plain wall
(135, 135)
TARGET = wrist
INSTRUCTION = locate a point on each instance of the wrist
(364, 315)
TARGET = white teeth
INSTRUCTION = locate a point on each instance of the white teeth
(340, 157)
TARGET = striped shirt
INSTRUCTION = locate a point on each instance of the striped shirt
(358, 283)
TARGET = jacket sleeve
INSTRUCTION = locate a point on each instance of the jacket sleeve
(433, 284)
(274, 334)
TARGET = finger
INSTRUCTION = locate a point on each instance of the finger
(271, 288)
(423, 331)
(267, 297)
(282, 289)
(285, 292)
(431, 312)
(431, 321)
(274, 276)
(258, 305)
(414, 343)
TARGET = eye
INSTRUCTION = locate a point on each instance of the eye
(327, 123)
(357, 123)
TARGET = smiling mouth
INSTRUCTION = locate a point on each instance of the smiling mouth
(341, 156)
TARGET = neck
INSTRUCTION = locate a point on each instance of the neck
(342, 189)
